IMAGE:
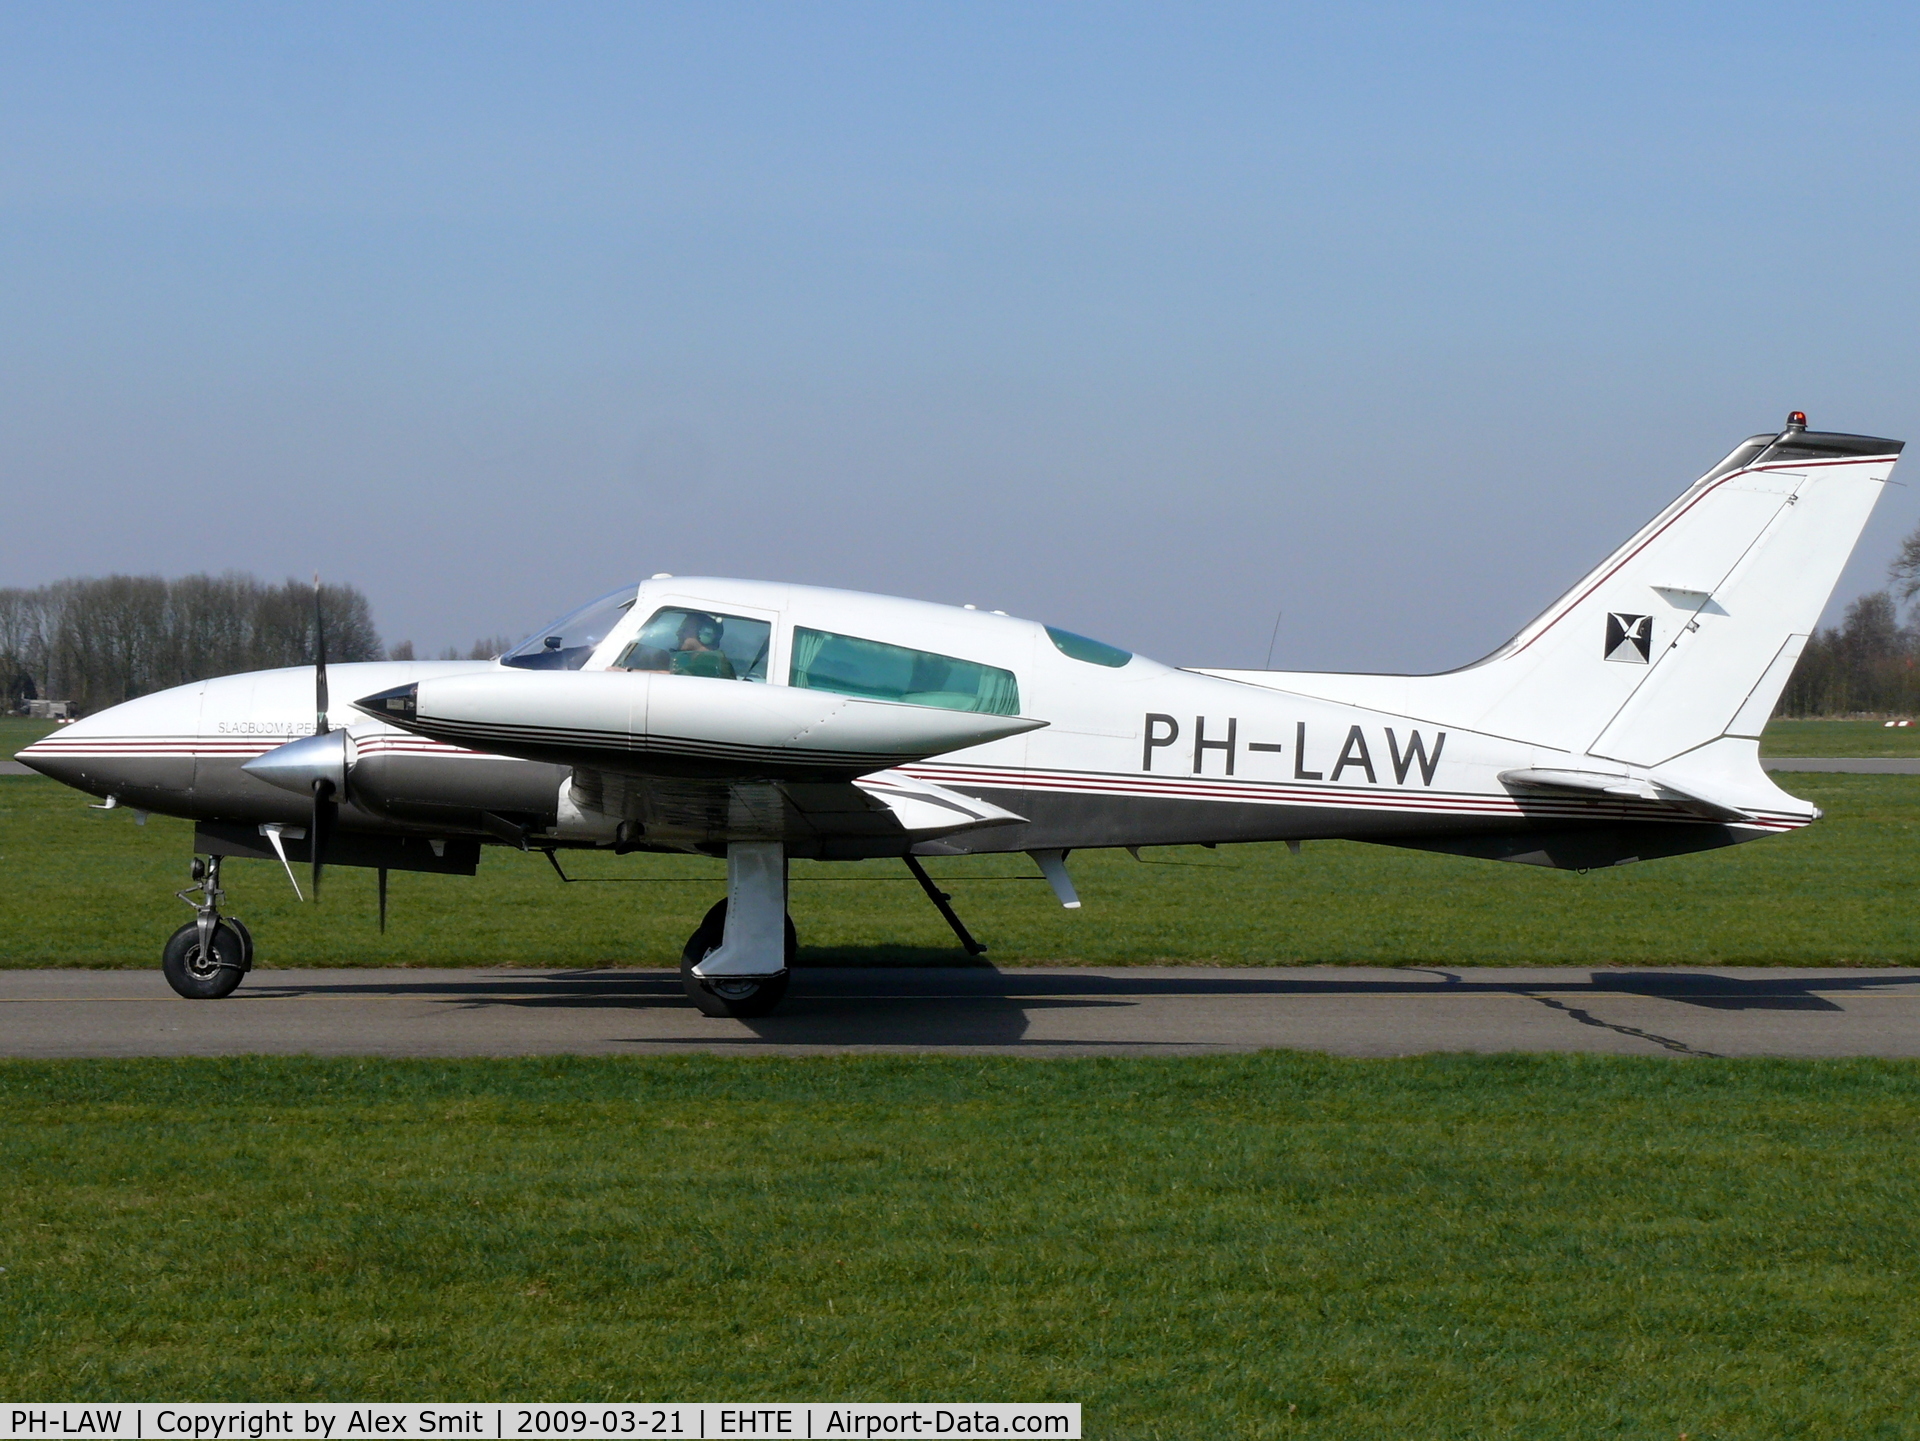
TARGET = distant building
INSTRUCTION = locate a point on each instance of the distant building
(50, 709)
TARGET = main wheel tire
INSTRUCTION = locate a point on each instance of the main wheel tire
(739, 997)
(204, 978)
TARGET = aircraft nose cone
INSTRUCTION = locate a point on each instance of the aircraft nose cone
(296, 765)
(67, 769)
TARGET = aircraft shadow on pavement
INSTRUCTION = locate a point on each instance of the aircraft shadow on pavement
(981, 982)
(1734, 993)
(919, 1005)
(1785, 993)
(888, 957)
(512, 988)
(923, 1022)
(914, 1005)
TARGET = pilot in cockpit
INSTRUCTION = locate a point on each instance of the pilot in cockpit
(697, 642)
(696, 649)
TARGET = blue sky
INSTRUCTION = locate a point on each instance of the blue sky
(1146, 320)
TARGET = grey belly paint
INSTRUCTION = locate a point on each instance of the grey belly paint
(445, 796)
(1079, 821)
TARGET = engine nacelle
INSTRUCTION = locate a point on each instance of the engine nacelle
(399, 777)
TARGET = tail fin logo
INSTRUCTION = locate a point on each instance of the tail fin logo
(1629, 637)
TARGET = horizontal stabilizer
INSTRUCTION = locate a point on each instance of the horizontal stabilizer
(1604, 783)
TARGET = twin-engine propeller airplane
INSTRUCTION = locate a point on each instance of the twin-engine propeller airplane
(761, 722)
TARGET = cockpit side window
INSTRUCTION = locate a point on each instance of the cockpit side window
(566, 644)
(1093, 652)
(848, 665)
(700, 642)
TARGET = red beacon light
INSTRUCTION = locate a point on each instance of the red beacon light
(1796, 420)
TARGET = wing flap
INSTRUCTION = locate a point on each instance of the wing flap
(882, 807)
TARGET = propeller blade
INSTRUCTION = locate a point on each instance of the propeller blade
(326, 810)
(319, 664)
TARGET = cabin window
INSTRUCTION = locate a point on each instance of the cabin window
(566, 644)
(700, 642)
(848, 665)
(1093, 652)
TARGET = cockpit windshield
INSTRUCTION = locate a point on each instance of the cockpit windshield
(566, 644)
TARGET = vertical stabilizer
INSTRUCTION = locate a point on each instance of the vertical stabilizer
(1685, 634)
(1720, 595)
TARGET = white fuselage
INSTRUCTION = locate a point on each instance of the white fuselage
(1133, 753)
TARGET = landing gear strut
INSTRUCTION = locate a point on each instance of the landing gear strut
(205, 959)
(943, 903)
(737, 962)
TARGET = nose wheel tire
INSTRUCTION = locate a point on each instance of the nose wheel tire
(246, 941)
(741, 997)
(201, 977)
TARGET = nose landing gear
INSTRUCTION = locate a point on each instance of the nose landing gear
(205, 959)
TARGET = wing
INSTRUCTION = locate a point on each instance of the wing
(886, 813)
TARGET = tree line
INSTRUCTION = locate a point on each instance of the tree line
(99, 641)
(1869, 664)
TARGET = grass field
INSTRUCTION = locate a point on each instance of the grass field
(1839, 738)
(1257, 1246)
(1252, 1246)
(16, 732)
(92, 888)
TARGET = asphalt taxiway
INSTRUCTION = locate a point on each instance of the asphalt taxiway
(1053, 1011)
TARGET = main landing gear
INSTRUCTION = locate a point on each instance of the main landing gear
(739, 996)
(205, 959)
(737, 962)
